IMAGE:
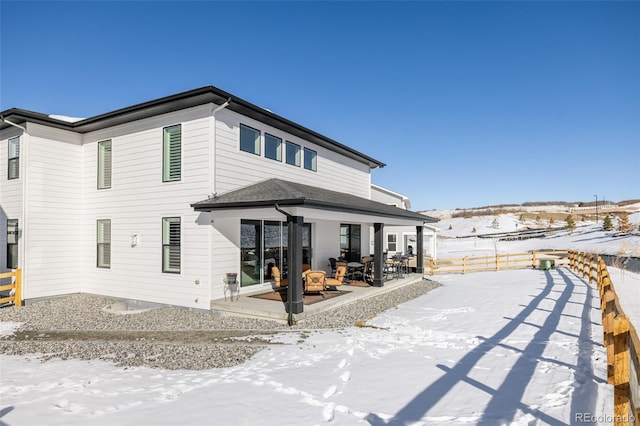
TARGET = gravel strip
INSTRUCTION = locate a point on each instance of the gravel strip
(177, 338)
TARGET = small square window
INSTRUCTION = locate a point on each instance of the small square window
(272, 147)
(310, 159)
(249, 139)
(293, 154)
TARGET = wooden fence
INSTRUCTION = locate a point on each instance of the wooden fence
(620, 339)
(16, 296)
(495, 263)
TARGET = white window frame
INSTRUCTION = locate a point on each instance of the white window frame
(12, 243)
(103, 243)
(171, 167)
(105, 162)
(393, 241)
(13, 158)
(171, 245)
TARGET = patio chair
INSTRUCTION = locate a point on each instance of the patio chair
(332, 264)
(314, 281)
(341, 271)
(278, 282)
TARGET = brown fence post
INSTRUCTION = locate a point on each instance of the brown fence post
(533, 260)
(608, 308)
(432, 265)
(621, 403)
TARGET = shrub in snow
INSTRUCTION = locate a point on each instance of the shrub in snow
(624, 225)
(607, 225)
(571, 224)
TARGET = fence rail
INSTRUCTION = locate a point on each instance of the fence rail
(14, 296)
(620, 339)
(496, 263)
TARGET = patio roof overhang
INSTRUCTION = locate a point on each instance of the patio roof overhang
(307, 201)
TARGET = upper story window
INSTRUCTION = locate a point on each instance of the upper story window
(293, 154)
(103, 239)
(249, 139)
(272, 147)
(310, 159)
(14, 158)
(104, 164)
(172, 153)
(12, 243)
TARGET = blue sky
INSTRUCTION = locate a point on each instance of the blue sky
(468, 103)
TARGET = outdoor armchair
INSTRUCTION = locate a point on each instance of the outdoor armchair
(278, 281)
(314, 281)
(341, 271)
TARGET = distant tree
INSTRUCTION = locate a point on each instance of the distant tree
(624, 225)
(607, 225)
(521, 218)
(495, 224)
(450, 227)
(538, 219)
(571, 224)
(474, 230)
(551, 221)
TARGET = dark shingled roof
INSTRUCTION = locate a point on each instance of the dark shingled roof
(270, 192)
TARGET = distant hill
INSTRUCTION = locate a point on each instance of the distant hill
(577, 207)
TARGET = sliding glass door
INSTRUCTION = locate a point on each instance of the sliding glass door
(350, 242)
(263, 245)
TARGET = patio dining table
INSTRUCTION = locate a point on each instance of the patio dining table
(352, 268)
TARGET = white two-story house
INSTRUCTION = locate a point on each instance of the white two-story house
(160, 201)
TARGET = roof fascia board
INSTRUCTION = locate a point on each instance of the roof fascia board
(409, 216)
(200, 96)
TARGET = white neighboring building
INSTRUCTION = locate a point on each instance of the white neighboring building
(160, 201)
(402, 239)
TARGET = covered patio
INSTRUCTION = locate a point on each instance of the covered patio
(248, 305)
(300, 207)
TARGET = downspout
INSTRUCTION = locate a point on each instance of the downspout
(213, 139)
(24, 155)
(289, 298)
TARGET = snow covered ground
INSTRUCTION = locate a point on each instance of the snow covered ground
(517, 347)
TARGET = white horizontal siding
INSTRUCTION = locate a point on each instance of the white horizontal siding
(54, 204)
(235, 168)
(136, 203)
